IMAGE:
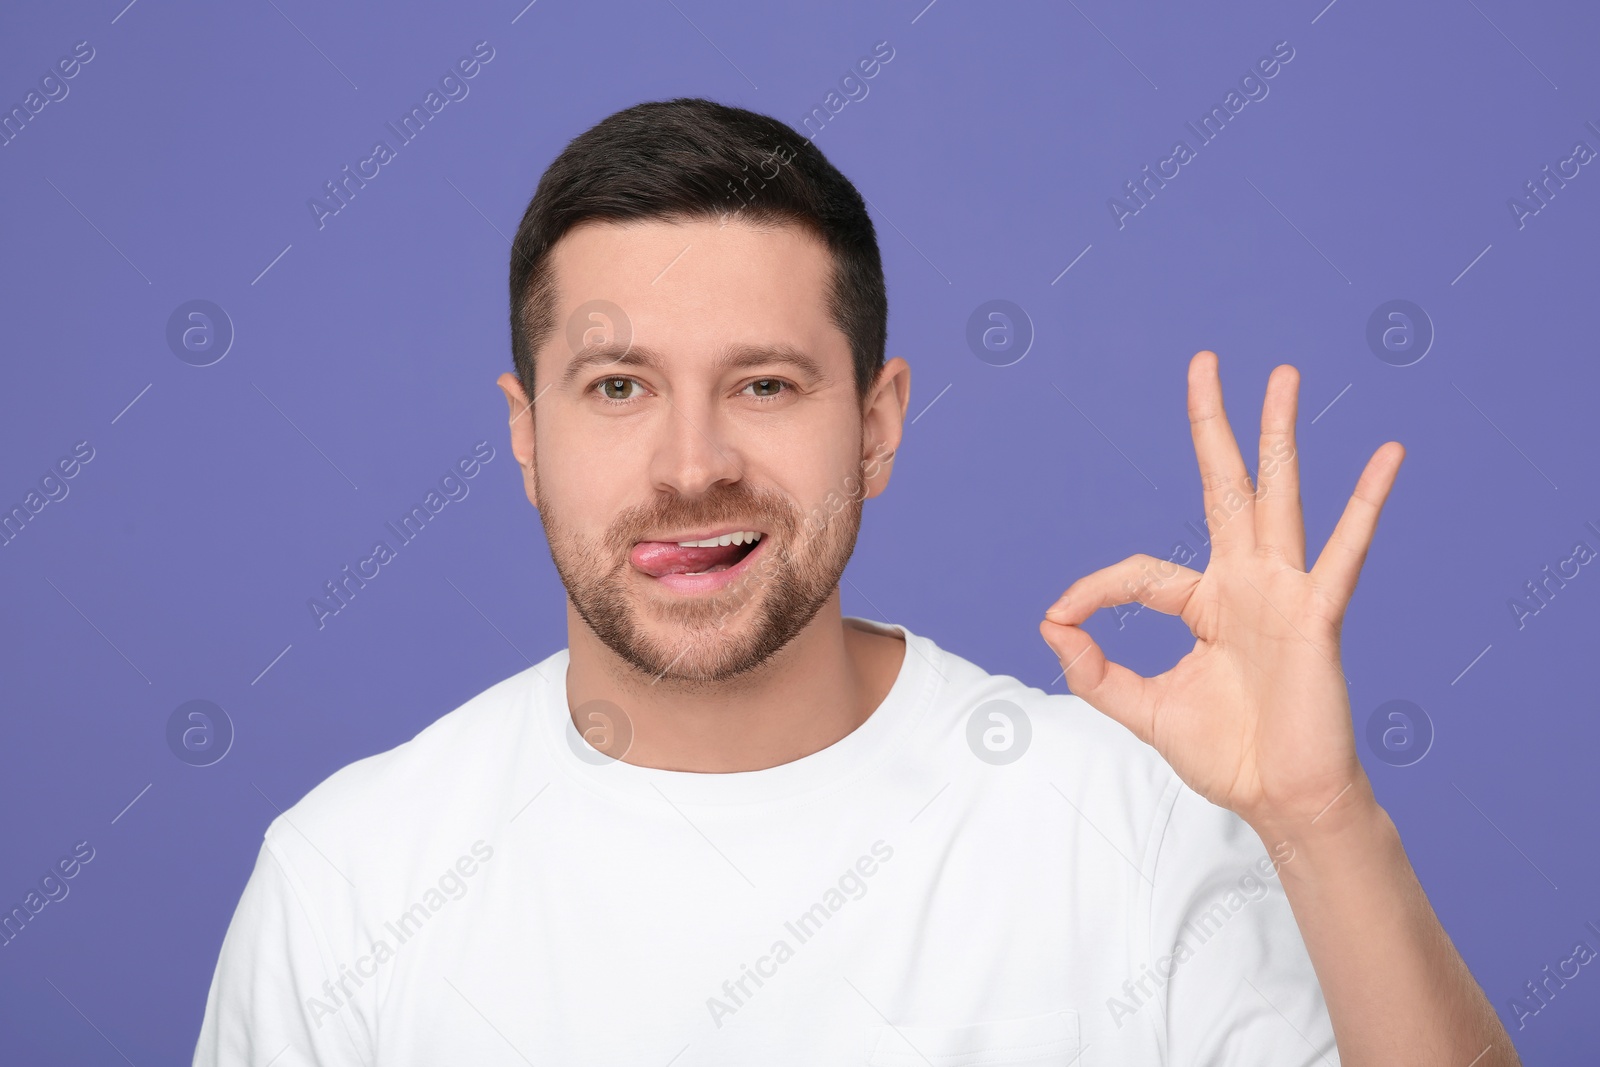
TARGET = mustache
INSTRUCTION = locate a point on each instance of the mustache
(766, 509)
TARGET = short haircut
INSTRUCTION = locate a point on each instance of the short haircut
(689, 159)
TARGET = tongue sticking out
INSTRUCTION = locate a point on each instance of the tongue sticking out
(657, 558)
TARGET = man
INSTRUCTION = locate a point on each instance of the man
(727, 825)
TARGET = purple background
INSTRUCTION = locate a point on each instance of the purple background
(179, 567)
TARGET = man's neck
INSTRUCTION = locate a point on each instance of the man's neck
(817, 689)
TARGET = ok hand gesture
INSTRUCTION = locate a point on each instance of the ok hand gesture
(1257, 717)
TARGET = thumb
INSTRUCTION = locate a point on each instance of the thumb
(1108, 687)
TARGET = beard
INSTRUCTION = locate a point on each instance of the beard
(703, 640)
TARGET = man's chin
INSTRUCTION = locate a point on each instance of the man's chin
(672, 624)
(712, 647)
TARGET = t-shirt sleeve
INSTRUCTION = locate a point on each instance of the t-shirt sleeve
(1239, 987)
(270, 999)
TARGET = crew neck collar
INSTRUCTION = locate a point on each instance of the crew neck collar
(844, 760)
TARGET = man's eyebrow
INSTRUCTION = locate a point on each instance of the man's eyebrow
(733, 357)
(609, 355)
(737, 357)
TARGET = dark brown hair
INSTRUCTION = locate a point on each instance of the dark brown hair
(687, 159)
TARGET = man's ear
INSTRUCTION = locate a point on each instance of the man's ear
(521, 422)
(882, 422)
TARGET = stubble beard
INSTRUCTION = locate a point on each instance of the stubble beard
(702, 641)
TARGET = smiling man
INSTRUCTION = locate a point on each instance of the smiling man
(729, 825)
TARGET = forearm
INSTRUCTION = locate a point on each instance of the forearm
(1396, 988)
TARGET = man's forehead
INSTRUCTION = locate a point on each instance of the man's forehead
(665, 284)
(660, 255)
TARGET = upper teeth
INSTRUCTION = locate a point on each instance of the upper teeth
(740, 538)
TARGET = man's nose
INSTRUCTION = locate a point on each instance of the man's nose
(695, 450)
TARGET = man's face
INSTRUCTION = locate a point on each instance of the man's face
(721, 401)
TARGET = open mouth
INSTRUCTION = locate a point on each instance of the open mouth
(697, 563)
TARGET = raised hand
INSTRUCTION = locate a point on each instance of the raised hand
(1257, 717)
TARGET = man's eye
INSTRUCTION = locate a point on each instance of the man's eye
(617, 388)
(764, 387)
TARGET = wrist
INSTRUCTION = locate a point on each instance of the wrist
(1352, 827)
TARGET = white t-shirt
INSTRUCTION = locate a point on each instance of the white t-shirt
(956, 883)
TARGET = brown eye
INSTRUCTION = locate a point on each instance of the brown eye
(766, 387)
(621, 387)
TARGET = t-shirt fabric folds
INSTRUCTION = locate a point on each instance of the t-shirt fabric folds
(982, 873)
